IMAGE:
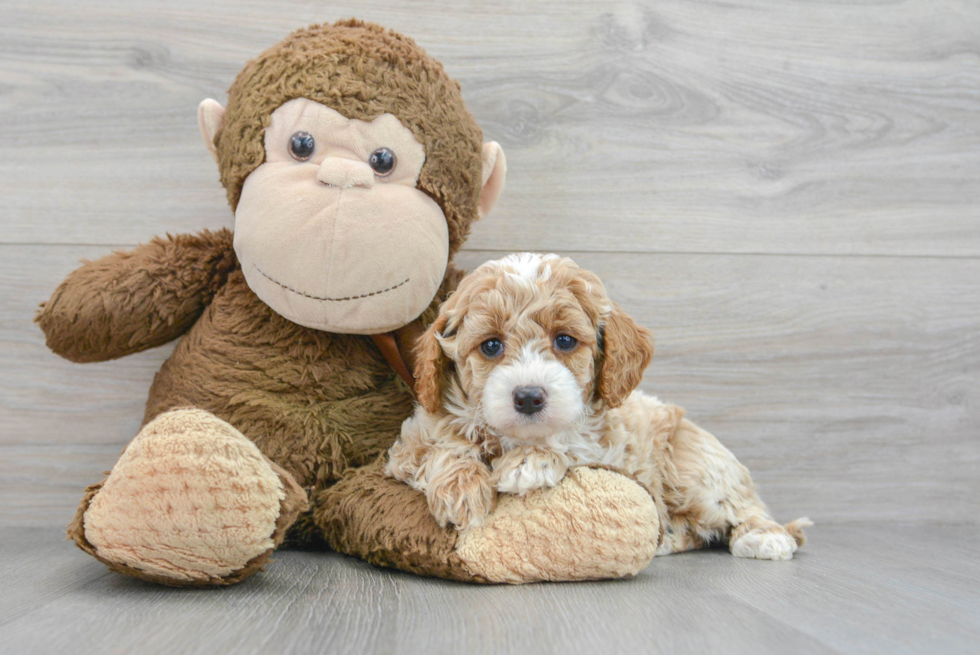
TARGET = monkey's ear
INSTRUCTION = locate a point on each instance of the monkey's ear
(627, 350)
(210, 114)
(494, 172)
(431, 363)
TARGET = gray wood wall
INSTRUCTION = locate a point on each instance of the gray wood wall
(787, 192)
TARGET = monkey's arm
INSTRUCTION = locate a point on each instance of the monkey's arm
(130, 301)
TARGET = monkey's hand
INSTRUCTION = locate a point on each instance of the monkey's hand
(130, 301)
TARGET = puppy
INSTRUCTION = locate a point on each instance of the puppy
(529, 369)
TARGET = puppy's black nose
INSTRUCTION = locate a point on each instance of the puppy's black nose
(528, 400)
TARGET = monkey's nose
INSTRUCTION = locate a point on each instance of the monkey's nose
(345, 173)
(529, 400)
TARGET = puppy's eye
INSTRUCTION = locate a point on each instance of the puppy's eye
(301, 146)
(565, 342)
(382, 161)
(492, 347)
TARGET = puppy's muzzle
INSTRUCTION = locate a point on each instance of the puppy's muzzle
(529, 400)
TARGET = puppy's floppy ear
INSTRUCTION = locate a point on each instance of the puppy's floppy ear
(431, 363)
(627, 349)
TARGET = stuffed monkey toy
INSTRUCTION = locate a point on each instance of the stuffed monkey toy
(354, 171)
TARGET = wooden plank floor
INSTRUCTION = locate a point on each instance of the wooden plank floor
(886, 588)
(786, 191)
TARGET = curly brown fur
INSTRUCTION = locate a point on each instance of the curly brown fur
(313, 402)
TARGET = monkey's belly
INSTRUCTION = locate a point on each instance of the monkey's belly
(314, 403)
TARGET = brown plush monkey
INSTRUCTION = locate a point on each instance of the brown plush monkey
(354, 170)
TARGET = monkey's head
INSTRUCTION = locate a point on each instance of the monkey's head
(354, 170)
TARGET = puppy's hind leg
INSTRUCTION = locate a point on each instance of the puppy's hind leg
(713, 486)
(760, 537)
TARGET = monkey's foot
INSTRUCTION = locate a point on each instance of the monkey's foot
(594, 524)
(191, 502)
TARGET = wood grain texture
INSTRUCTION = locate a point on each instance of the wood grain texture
(42, 484)
(770, 126)
(855, 589)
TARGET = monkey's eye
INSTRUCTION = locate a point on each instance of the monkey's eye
(383, 161)
(492, 347)
(301, 146)
(565, 342)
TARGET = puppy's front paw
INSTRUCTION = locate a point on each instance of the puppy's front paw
(765, 543)
(461, 497)
(519, 472)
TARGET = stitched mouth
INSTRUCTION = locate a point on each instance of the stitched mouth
(325, 299)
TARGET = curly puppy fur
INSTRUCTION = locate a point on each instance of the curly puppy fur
(474, 433)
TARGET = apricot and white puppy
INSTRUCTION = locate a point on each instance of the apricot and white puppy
(529, 369)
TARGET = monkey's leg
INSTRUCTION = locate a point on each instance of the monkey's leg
(594, 524)
(191, 502)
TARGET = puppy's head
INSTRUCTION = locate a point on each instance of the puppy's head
(533, 345)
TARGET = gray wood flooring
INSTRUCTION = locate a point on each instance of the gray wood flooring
(885, 588)
(786, 191)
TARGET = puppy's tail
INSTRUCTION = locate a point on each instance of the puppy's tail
(795, 529)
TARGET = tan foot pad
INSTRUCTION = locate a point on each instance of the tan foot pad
(596, 524)
(191, 501)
